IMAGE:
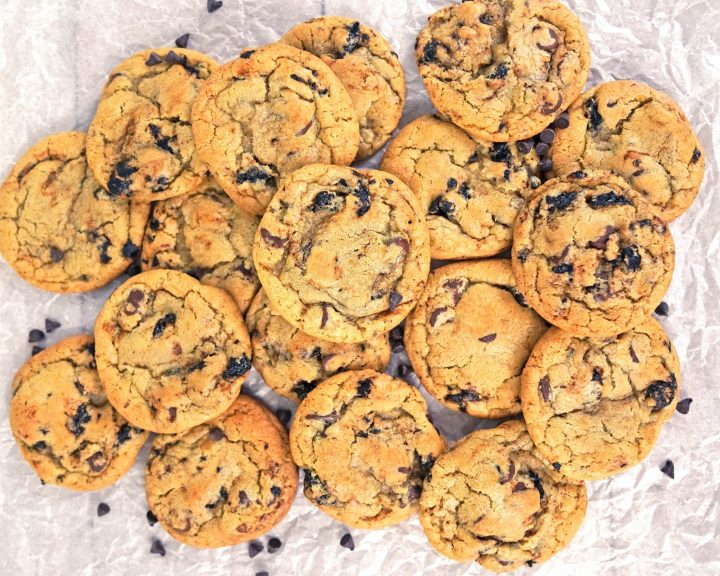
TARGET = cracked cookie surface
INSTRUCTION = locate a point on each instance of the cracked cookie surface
(342, 254)
(59, 230)
(365, 443)
(171, 352)
(492, 499)
(590, 255)
(63, 423)
(639, 133)
(365, 63)
(206, 235)
(595, 407)
(471, 191)
(503, 69)
(140, 143)
(293, 363)
(469, 336)
(267, 113)
(223, 482)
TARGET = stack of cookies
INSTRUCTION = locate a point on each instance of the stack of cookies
(227, 191)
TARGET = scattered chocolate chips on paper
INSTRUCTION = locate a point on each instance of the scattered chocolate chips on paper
(274, 544)
(668, 469)
(684, 405)
(35, 335)
(213, 5)
(151, 518)
(157, 547)
(51, 325)
(347, 541)
(254, 548)
(182, 41)
(103, 509)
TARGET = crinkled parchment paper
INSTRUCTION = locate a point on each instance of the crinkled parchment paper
(54, 57)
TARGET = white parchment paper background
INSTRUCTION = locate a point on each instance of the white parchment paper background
(54, 57)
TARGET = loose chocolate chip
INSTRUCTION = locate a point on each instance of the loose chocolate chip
(182, 41)
(164, 322)
(157, 547)
(441, 207)
(262, 573)
(430, 52)
(545, 165)
(560, 202)
(237, 367)
(500, 152)
(499, 72)
(542, 149)
(253, 175)
(525, 146)
(254, 548)
(35, 335)
(662, 392)
(56, 255)
(274, 241)
(663, 309)
(213, 5)
(75, 425)
(544, 386)
(103, 509)
(216, 434)
(593, 115)
(364, 387)
(284, 415)
(668, 469)
(608, 199)
(347, 541)
(123, 434)
(488, 337)
(695, 156)
(631, 257)
(274, 544)
(684, 405)
(151, 518)
(537, 483)
(36, 350)
(556, 465)
(394, 300)
(324, 201)
(563, 269)
(153, 59)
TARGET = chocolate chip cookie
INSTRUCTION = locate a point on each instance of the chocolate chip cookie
(365, 63)
(341, 253)
(471, 191)
(595, 407)
(365, 443)
(63, 423)
(590, 255)
(59, 230)
(639, 133)
(269, 112)
(206, 235)
(503, 69)
(140, 143)
(469, 336)
(223, 482)
(292, 363)
(171, 352)
(492, 499)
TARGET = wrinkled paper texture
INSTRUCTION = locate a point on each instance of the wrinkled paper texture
(54, 58)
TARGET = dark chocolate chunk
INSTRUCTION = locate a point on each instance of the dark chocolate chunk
(245, 54)
(668, 469)
(608, 199)
(213, 5)
(560, 202)
(594, 117)
(56, 255)
(254, 548)
(684, 405)
(164, 322)
(500, 152)
(441, 207)
(347, 541)
(363, 198)
(430, 52)
(119, 182)
(544, 386)
(243, 498)
(662, 392)
(216, 434)
(537, 483)
(304, 129)
(172, 413)
(597, 373)
(500, 72)
(151, 518)
(130, 250)
(182, 41)
(695, 156)
(324, 201)
(464, 191)
(325, 315)
(75, 425)
(556, 465)
(123, 434)
(153, 59)
(436, 313)
(463, 397)
(237, 367)
(302, 388)
(276, 491)
(262, 573)
(662, 309)
(274, 544)
(39, 445)
(631, 257)
(563, 269)
(274, 241)
(488, 337)
(396, 333)
(577, 174)
(394, 300)
(162, 142)
(364, 387)
(253, 175)
(354, 38)
(35, 335)
(103, 509)
(451, 183)
(157, 547)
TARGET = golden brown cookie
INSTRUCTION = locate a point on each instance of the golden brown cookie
(59, 230)
(171, 352)
(223, 482)
(63, 423)
(590, 255)
(503, 69)
(365, 443)
(595, 407)
(140, 143)
(206, 235)
(471, 191)
(342, 254)
(292, 363)
(365, 63)
(493, 499)
(639, 133)
(469, 336)
(269, 112)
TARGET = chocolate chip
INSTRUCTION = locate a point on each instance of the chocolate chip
(441, 207)
(500, 152)
(451, 183)
(123, 434)
(302, 388)
(544, 386)
(347, 541)
(119, 182)
(549, 47)
(499, 72)
(525, 146)
(430, 52)
(363, 198)
(556, 465)
(634, 357)
(488, 337)
(545, 165)
(403, 370)
(631, 257)
(164, 322)
(462, 398)
(542, 149)
(364, 387)
(172, 413)
(562, 121)
(237, 367)
(213, 5)
(563, 269)
(607, 199)
(103, 509)
(552, 107)
(262, 573)
(434, 315)
(274, 241)
(464, 190)
(81, 416)
(695, 156)
(35, 335)
(324, 201)
(668, 469)
(153, 59)
(354, 38)
(246, 54)
(243, 498)
(394, 300)
(162, 142)
(284, 415)
(325, 316)
(157, 547)
(97, 462)
(304, 129)
(39, 445)
(254, 548)
(253, 175)
(510, 475)
(684, 405)
(519, 487)
(663, 309)
(182, 41)
(56, 255)
(560, 202)
(593, 115)
(486, 19)
(662, 392)
(151, 518)
(537, 483)
(274, 544)
(216, 434)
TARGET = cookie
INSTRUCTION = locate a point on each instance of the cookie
(492, 499)
(595, 407)
(469, 336)
(590, 255)
(269, 112)
(223, 482)
(140, 143)
(639, 133)
(59, 230)
(63, 423)
(206, 235)
(365, 63)
(342, 254)
(503, 69)
(365, 443)
(292, 363)
(172, 353)
(471, 191)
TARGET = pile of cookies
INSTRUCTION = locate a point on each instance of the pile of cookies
(227, 192)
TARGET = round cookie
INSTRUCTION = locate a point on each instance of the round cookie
(595, 407)
(365, 63)
(492, 499)
(206, 235)
(59, 230)
(269, 112)
(342, 254)
(63, 423)
(503, 70)
(639, 133)
(471, 191)
(140, 143)
(590, 255)
(469, 336)
(292, 363)
(171, 352)
(223, 482)
(365, 443)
